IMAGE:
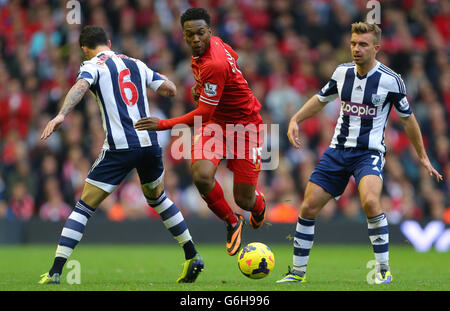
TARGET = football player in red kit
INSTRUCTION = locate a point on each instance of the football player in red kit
(226, 106)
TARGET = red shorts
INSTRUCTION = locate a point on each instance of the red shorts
(240, 145)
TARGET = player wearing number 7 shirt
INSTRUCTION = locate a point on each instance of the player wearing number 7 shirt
(224, 101)
(119, 84)
(368, 91)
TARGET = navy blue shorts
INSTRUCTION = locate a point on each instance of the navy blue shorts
(112, 166)
(336, 167)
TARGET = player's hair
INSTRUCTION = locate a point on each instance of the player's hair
(365, 27)
(93, 36)
(195, 14)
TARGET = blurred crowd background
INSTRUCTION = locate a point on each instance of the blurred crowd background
(287, 50)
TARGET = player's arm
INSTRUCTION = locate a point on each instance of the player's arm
(412, 129)
(204, 111)
(315, 104)
(308, 110)
(72, 98)
(214, 77)
(158, 82)
(167, 88)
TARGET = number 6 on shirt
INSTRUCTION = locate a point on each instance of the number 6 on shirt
(127, 85)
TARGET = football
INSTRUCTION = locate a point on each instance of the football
(256, 260)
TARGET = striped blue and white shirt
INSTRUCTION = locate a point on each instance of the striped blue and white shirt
(366, 102)
(119, 84)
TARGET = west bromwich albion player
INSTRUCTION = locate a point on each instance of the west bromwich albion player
(119, 84)
(368, 90)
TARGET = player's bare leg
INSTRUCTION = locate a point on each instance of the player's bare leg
(93, 195)
(153, 192)
(315, 199)
(248, 198)
(72, 232)
(370, 188)
(203, 172)
(244, 196)
(174, 222)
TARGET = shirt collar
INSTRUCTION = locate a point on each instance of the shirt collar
(110, 52)
(371, 72)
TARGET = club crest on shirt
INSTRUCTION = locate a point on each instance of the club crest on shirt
(377, 99)
(210, 89)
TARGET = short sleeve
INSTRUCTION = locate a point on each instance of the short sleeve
(401, 104)
(398, 98)
(152, 78)
(213, 77)
(88, 72)
(329, 92)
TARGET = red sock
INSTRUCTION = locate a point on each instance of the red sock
(219, 206)
(259, 204)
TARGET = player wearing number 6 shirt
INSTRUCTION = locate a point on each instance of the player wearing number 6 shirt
(119, 84)
(231, 129)
(368, 90)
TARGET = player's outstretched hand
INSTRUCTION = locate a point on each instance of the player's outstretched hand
(150, 124)
(431, 170)
(52, 126)
(294, 134)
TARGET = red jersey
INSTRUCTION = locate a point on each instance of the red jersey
(220, 83)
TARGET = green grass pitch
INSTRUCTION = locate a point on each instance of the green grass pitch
(156, 267)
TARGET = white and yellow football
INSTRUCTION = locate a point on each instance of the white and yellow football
(256, 260)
